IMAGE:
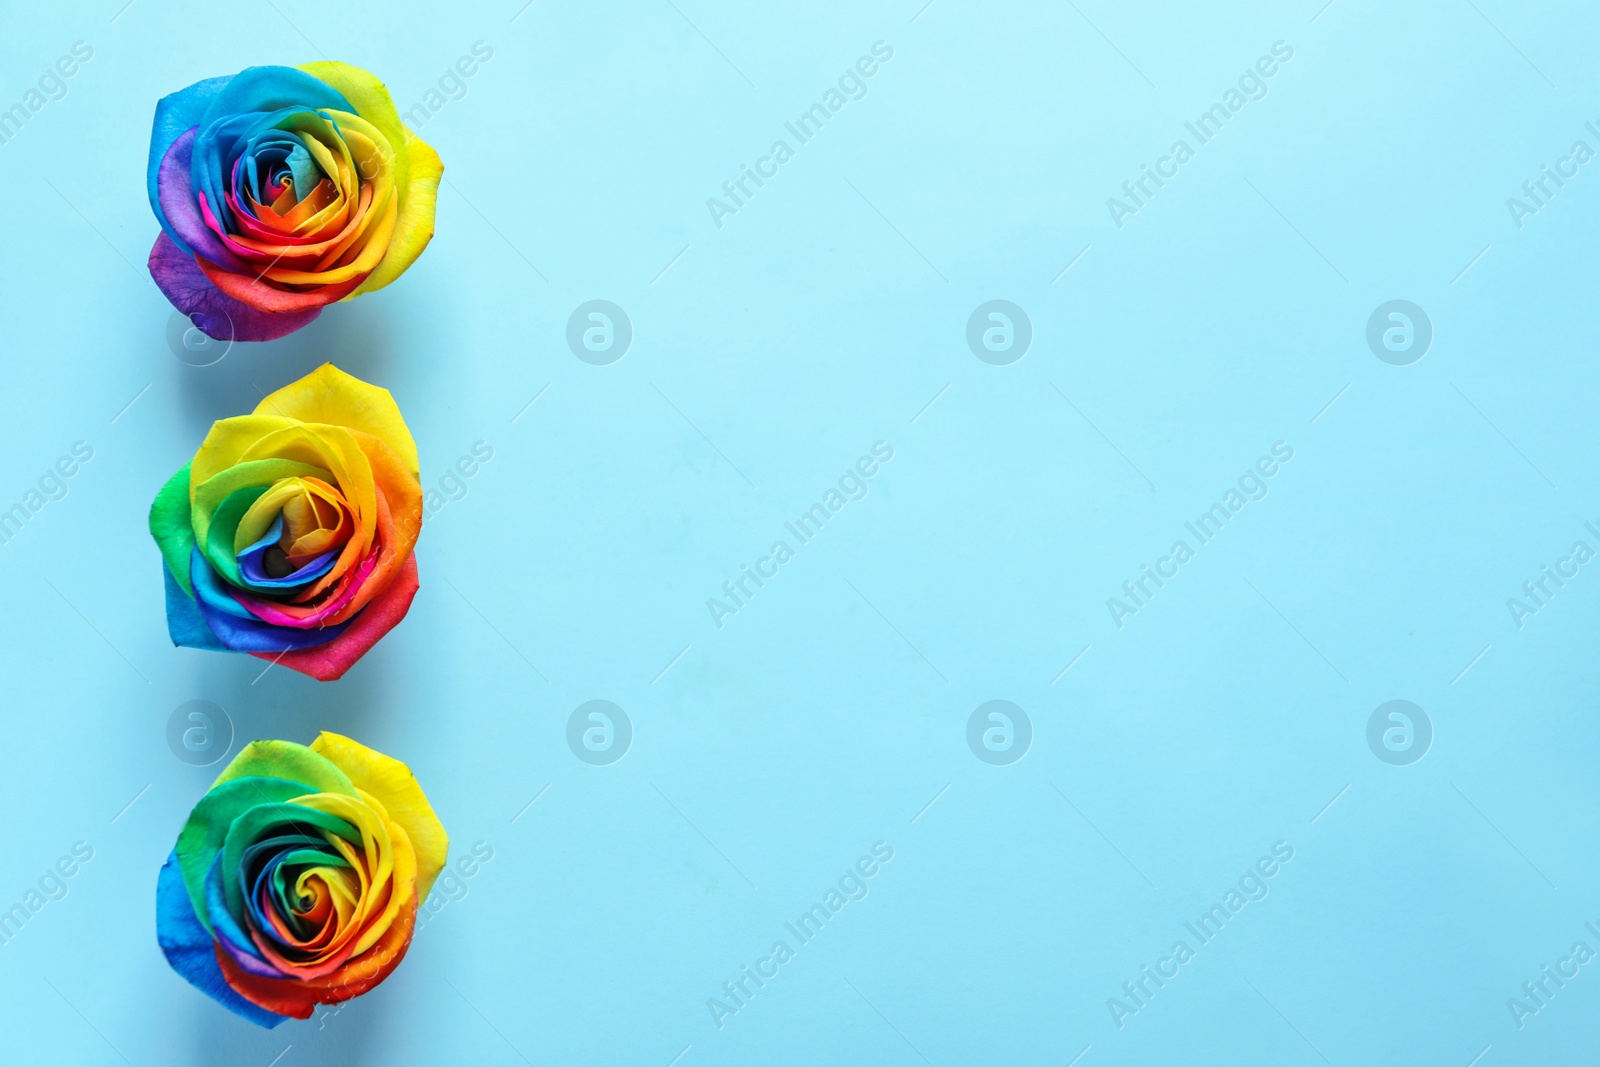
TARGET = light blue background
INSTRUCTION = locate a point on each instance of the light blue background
(825, 716)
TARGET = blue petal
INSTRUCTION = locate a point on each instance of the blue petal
(174, 114)
(240, 631)
(227, 928)
(273, 535)
(185, 624)
(189, 950)
(256, 577)
(273, 89)
(253, 573)
(211, 591)
(240, 105)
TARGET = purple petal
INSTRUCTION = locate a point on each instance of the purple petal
(174, 114)
(181, 208)
(214, 312)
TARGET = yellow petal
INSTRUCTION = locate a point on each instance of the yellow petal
(227, 441)
(416, 168)
(376, 863)
(393, 785)
(372, 102)
(330, 395)
(413, 228)
(290, 762)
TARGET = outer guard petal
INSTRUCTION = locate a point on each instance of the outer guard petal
(396, 788)
(413, 229)
(188, 947)
(330, 395)
(329, 662)
(217, 314)
(291, 763)
(174, 114)
(172, 529)
(185, 624)
(417, 170)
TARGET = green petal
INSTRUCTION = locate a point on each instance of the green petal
(224, 521)
(203, 835)
(252, 826)
(172, 527)
(290, 762)
(209, 495)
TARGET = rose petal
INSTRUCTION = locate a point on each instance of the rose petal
(216, 314)
(174, 114)
(413, 229)
(253, 291)
(330, 395)
(328, 662)
(189, 948)
(393, 785)
(237, 628)
(186, 223)
(185, 624)
(417, 169)
(172, 528)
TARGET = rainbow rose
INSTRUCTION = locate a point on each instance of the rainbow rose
(296, 879)
(280, 190)
(289, 535)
